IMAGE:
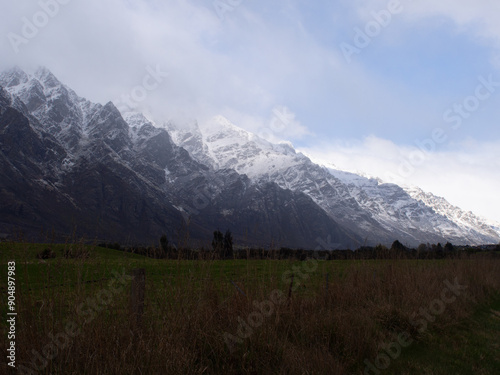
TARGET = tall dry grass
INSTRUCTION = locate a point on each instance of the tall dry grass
(320, 330)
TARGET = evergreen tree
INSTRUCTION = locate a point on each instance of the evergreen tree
(228, 244)
(218, 242)
(164, 243)
(396, 245)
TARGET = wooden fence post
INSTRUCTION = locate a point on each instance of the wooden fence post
(290, 288)
(137, 294)
(327, 285)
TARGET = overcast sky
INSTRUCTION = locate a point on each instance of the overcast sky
(363, 84)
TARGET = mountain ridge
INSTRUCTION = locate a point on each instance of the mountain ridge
(140, 179)
(120, 177)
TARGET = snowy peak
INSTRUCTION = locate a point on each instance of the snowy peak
(221, 131)
(189, 137)
(140, 127)
(136, 119)
(34, 90)
(47, 79)
(108, 125)
(57, 108)
(13, 77)
(31, 93)
(228, 146)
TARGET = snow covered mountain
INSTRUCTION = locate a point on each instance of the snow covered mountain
(63, 114)
(73, 166)
(70, 166)
(376, 211)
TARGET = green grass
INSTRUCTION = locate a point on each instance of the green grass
(59, 275)
(190, 303)
(35, 274)
(469, 347)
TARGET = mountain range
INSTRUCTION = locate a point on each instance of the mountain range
(70, 166)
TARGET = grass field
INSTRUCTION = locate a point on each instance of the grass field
(248, 317)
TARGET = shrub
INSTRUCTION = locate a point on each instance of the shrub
(47, 253)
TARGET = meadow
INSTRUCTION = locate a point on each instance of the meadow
(391, 316)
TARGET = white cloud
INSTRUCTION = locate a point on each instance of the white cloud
(101, 49)
(283, 125)
(482, 15)
(266, 54)
(479, 17)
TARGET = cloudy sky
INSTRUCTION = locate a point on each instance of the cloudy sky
(405, 90)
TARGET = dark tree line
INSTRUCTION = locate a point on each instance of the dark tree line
(222, 248)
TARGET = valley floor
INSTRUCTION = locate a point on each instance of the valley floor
(80, 312)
